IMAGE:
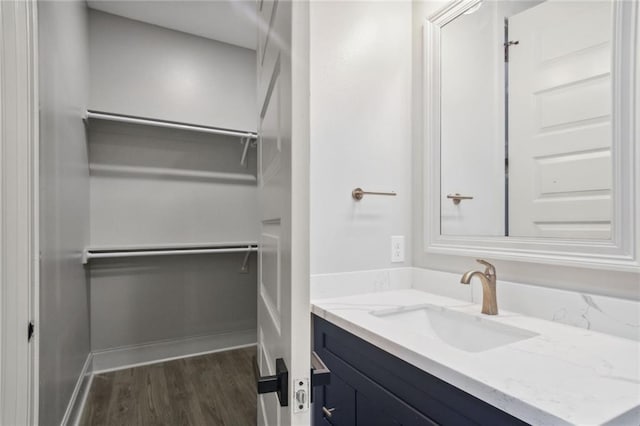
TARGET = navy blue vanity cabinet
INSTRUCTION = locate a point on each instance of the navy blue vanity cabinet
(341, 399)
(370, 387)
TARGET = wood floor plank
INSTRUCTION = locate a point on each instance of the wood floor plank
(206, 371)
(152, 396)
(214, 389)
(121, 403)
(101, 388)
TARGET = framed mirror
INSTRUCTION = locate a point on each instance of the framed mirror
(530, 131)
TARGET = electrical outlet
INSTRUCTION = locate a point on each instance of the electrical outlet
(397, 248)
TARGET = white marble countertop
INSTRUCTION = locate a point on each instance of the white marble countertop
(564, 375)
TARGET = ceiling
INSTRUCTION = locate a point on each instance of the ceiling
(229, 21)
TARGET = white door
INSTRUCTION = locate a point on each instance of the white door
(560, 120)
(283, 186)
(472, 124)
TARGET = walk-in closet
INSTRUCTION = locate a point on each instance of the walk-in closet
(165, 116)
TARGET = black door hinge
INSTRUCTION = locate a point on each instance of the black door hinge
(30, 329)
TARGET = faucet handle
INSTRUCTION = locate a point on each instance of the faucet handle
(490, 270)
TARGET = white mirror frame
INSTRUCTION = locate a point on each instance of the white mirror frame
(619, 253)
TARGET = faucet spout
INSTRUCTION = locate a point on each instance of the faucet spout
(488, 279)
(466, 277)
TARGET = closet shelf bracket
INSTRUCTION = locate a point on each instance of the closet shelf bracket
(245, 263)
(246, 141)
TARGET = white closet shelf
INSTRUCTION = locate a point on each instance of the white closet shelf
(247, 138)
(121, 118)
(111, 252)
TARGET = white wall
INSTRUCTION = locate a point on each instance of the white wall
(144, 70)
(617, 284)
(360, 133)
(154, 186)
(64, 203)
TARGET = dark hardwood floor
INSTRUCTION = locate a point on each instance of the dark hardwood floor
(214, 389)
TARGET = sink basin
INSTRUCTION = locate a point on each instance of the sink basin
(463, 331)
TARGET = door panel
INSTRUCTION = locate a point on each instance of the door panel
(270, 282)
(560, 121)
(283, 308)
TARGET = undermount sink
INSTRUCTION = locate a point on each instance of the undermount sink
(470, 333)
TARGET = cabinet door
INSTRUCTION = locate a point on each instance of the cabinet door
(340, 400)
(369, 414)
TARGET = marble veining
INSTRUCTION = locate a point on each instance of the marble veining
(563, 315)
(609, 315)
(564, 375)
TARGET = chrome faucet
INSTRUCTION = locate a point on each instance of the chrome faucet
(488, 278)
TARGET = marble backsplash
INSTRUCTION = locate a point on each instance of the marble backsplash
(618, 317)
(324, 286)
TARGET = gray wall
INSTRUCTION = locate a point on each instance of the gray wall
(142, 300)
(154, 186)
(158, 186)
(145, 70)
(64, 198)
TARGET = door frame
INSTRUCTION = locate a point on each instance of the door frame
(19, 217)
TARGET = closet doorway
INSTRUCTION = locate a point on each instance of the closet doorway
(174, 212)
(172, 151)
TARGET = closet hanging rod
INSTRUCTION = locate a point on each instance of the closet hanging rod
(89, 254)
(167, 124)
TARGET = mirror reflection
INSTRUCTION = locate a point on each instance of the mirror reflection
(526, 120)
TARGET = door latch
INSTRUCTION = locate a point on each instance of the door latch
(278, 383)
(301, 393)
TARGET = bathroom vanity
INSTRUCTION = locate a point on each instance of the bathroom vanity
(408, 357)
(372, 387)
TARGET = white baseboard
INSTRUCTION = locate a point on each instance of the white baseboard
(151, 353)
(79, 395)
